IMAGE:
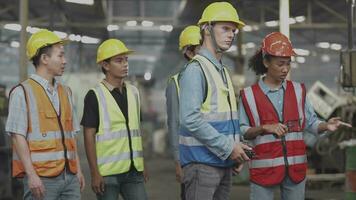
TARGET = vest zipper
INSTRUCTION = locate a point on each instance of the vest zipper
(283, 138)
(60, 126)
(130, 143)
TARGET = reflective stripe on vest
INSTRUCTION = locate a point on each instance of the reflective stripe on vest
(271, 153)
(112, 138)
(175, 79)
(217, 111)
(44, 135)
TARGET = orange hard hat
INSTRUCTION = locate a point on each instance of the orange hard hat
(277, 44)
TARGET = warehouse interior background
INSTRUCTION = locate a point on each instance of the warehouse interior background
(319, 31)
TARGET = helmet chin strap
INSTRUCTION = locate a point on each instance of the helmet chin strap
(215, 44)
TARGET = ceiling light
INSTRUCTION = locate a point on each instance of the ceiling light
(15, 44)
(85, 2)
(300, 19)
(167, 28)
(74, 37)
(147, 76)
(292, 21)
(131, 23)
(32, 30)
(323, 45)
(272, 23)
(335, 46)
(146, 23)
(89, 40)
(13, 27)
(302, 52)
(112, 27)
(247, 28)
(300, 59)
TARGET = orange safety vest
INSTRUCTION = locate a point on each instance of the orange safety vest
(50, 137)
(275, 158)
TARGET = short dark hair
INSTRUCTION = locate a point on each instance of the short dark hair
(44, 50)
(102, 68)
(189, 48)
(256, 62)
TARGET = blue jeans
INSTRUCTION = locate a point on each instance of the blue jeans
(63, 187)
(289, 191)
(130, 185)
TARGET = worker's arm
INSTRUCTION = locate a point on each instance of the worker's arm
(97, 181)
(34, 182)
(172, 100)
(251, 133)
(80, 173)
(192, 84)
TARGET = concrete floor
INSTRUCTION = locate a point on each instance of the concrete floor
(162, 184)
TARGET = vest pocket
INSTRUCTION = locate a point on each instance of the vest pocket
(42, 145)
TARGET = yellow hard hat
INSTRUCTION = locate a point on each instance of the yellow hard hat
(189, 36)
(110, 48)
(40, 39)
(221, 12)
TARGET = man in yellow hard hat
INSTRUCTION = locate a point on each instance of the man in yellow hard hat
(209, 129)
(112, 135)
(189, 45)
(43, 125)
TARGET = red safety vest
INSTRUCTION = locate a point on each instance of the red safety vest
(275, 158)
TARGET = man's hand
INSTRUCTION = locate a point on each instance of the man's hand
(278, 129)
(36, 186)
(238, 154)
(81, 180)
(237, 168)
(97, 183)
(179, 172)
(334, 123)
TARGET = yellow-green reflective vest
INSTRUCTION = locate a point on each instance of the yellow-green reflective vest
(219, 109)
(112, 139)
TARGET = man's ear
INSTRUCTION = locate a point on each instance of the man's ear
(105, 65)
(44, 58)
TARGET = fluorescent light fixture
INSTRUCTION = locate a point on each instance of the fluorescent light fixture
(335, 46)
(272, 23)
(32, 30)
(112, 27)
(300, 19)
(323, 45)
(292, 21)
(300, 59)
(15, 44)
(302, 52)
(167, 28)
(131, 23)
(13, 27)
(85, 2)
(74, 37)
(60, 34)
(147, 76)
(89, 40)
(146, 23)
(255, 27)
(247, 28)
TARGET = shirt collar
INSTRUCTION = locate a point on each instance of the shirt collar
(44, 82)
(207, 54)
(265, 88)
(109, 86)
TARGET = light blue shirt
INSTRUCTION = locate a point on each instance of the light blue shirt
(192, 93)
(17, 121)
(277, 96)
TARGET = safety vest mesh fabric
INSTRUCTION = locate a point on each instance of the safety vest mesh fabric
(44, 136)
(277, 157)
(220, 110)
(112, 139)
